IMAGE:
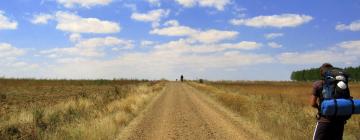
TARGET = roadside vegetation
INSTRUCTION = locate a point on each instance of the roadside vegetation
(71, 109)
(281, 109)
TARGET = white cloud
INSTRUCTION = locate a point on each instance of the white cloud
(175, 58)
(351, 47)
(171, 23)
(347, 52)
(278, 21)
(315, 57)
(187, 3)
(41, 18)
(174, 31)
(74, 37)
(274, 45)
(73, 23)
(218, 4)
(83, 3)
(9, 52)
(17, 69)
(157, 63)
(23, 65)
(189, 46)
(213, 36)
(9, 63)
(244, 45)
(173, 28)
(6, 23)
(273, 35)
(153, 16)
(103, 42)
(353, 26)
(146, 43)
(93, 47)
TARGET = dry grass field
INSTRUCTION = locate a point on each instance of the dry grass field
(280, 109)
(101, 109)
(68, 109)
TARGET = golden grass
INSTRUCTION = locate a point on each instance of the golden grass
(71, 109)
(279, 108)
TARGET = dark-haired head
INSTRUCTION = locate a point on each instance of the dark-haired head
(325, 67)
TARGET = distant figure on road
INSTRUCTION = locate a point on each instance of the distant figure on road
(182, 78)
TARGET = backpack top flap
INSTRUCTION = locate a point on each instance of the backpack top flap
(335, 84)
(335, 87)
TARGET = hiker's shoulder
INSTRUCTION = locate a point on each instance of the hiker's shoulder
(318, 84)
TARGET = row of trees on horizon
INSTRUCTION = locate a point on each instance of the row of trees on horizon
(314, 74)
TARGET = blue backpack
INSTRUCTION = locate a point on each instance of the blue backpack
(335, 85)
(336, 102)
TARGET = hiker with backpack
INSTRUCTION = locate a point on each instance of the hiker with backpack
(332, 89)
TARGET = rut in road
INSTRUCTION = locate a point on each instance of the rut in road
(183, 113)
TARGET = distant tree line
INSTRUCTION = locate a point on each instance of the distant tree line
(314, 74)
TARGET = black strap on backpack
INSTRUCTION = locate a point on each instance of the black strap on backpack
(336, 107)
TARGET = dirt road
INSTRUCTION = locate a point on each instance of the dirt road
(183, 113)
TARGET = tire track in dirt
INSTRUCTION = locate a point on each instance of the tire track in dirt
(183, 113)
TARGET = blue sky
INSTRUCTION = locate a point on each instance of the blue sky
(153, 39)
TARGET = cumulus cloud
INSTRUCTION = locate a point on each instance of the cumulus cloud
(10, 65)
(244, 45)
(315, 57)
(218, 4)
(83, 3)
(74, 37)
(347, 52)
(173, 28)
(157, 63)
(174, 31)
(73, 23)
(6, 23)
(162, 60)
(172, 23)
(351, 47)
(353, 26)
(278, 21)
(213, 36)
(273, 35)
(41, 18)
(146, 43)
(274, 45)
(18, 69)
(180, 53)
(153, 16)
(21, 64)
(186, 3)
(93, 47)
(7, 51)
(189, 46)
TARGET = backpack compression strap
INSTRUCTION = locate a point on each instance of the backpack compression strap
(336, 107)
